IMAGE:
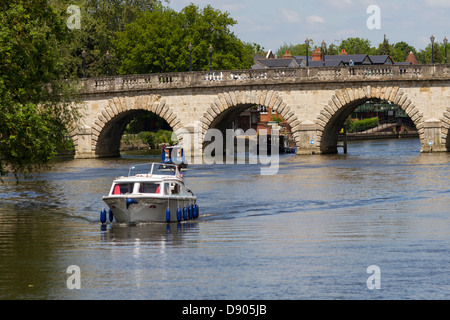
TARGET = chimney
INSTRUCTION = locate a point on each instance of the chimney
(343, 53)
(288, 56)
(317, 55)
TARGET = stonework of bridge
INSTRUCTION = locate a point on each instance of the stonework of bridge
(315, 102)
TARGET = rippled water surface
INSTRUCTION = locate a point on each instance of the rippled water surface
(309, 232)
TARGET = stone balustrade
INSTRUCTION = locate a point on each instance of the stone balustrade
(269, 76)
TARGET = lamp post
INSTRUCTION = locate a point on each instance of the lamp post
(107, 63)
(190, 56)
(432, 49)
(307, 45)
(445, 44)
(324, 46)
(83, 56)
(210, 56)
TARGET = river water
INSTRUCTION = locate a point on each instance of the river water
(309, 232)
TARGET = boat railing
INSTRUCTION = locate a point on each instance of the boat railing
(154, 168)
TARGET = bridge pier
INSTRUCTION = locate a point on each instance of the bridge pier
(83, 144)
(307, 138)
(189, 138)
(432, 136)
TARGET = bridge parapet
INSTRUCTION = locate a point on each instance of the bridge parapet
(314, 101)
(201, 79)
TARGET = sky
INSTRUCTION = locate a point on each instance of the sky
(272, 23)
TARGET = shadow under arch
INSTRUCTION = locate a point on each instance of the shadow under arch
(229, 104)
(344, 101)
(111, 122)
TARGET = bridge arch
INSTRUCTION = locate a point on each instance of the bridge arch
(332, 117)
(446, 128)
(111, 121)
(228, 102)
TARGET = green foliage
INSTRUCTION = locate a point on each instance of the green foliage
(357, 46)
(154, 139)
(255, 48)
(148, 138)
(34, 93)
(384, 48)
(401, 50)
(277, 118)
(100, 21)
(424, 56)
(398, 52)
(295, 50)
(350, 45)
(362, 125)
(148, 121)
(157, 41)
(164, 136)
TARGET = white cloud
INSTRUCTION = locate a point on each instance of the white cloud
(315, 19)
(438, 3)
(338, 3)
(290, 16)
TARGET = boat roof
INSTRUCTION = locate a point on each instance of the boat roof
(153, 172)
(173, 147)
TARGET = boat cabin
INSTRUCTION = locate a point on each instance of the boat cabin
(144, 187)
(150, 179)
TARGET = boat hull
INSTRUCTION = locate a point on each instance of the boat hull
(135, 209)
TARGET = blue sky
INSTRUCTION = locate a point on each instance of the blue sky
(271, 23)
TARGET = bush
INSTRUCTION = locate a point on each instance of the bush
(154, 139)
(148, 138)
(363, 125)
(164, 136)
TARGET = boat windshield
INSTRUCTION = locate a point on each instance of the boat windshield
(153, 169)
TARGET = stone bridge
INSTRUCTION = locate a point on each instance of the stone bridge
(315, 102)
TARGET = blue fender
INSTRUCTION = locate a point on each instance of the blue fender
(103, 216)
(196, 211)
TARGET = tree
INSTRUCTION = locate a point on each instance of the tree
(401, 50)
(332, 50)
(424, 55)
(34, 94)
(357, 46)
(157, 41)
(100, 22)
(295, 50)
(254, 48)
(384, 48)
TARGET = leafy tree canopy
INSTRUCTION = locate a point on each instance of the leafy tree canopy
(100, 21)
(401, 50)
(158, 40)
(295, 50)
(34, 94)
(357, 46)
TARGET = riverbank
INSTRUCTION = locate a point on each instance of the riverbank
(378, 135)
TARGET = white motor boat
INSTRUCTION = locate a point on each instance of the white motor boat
(151, 193)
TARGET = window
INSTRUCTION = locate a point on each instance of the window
(171, 188)
(149, 187)
(123, 188)
(175, 188)
(262, 109)
(166, 188)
